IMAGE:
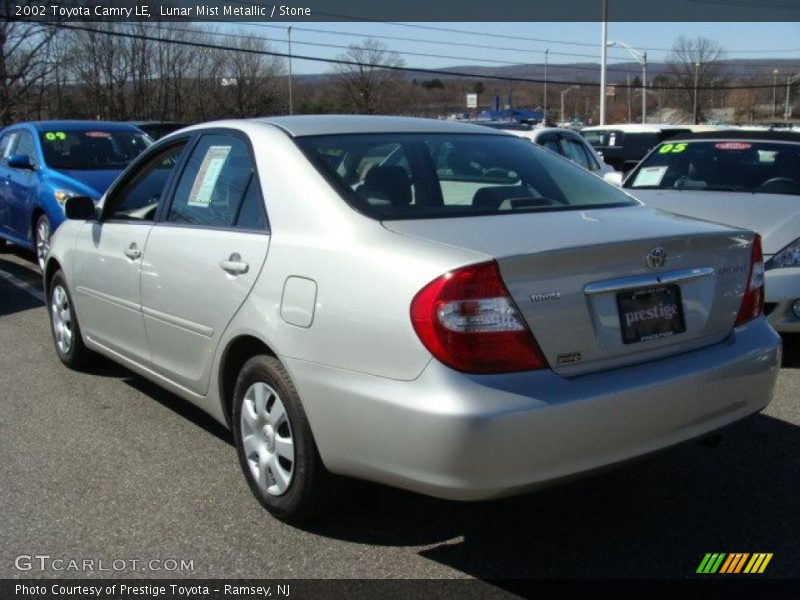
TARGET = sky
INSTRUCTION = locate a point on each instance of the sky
(740, 40)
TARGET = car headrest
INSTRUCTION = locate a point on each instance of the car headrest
(391, 182)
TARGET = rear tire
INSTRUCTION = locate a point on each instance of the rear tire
(274, 442)
(64, 325)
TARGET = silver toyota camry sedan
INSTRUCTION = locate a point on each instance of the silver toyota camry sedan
(436, 306)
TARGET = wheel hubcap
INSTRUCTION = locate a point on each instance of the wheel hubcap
(42, 241)
(62, 319)
(267, 439)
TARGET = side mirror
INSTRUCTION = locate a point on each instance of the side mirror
(614, 178)
(80, 208)
(20, 161)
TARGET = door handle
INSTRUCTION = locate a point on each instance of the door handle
(235, 265)
(133, 251)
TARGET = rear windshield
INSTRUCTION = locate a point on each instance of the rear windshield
(414, 176)
(722, 165)
(95, 148)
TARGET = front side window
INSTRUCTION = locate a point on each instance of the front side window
(447, 175)
(91, 149)
(140, 194)
(215, 183)
(721, 165)
(25, 146)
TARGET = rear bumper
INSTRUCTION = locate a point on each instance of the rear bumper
(476, 437)
(782, 288)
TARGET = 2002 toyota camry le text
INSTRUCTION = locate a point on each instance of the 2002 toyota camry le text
(441, 307)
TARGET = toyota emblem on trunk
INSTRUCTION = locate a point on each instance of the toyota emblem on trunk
(656, 258)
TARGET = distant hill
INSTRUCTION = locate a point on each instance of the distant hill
(589, 72)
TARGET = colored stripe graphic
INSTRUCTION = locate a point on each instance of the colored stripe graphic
(721, 562)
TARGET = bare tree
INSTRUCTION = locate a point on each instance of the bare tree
(253, 79)
(23, 65)
(694, 62)
(364, 85)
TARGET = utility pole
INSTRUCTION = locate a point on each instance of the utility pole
(696, 71)
(603, 55)
(291, 104)
(544, 111)
(774, 92)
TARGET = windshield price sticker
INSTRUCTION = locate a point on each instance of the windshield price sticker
(733, 146)
(97, 134)
(673, 148)
(55, 136)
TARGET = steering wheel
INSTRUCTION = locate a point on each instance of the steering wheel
(777, 182)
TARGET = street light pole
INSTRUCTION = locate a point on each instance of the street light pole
(644, 88)
(774, 92)
(564, 93)
(641, 58)
(787, 112)
(291, 103)
(544, 111)
(603, 53)
(696, 71)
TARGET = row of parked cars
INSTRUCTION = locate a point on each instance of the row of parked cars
(437, 306)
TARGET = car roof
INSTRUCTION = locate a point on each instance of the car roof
(739, 134)
(305, 125)
(537, 131)
(48, 125)
(636, 127)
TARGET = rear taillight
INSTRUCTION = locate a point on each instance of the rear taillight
(753, 300)
(468, 321)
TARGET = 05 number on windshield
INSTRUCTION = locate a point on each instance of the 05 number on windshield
(673, 148)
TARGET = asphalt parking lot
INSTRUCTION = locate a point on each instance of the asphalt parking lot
(106, 465)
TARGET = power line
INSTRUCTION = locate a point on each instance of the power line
(339, 61)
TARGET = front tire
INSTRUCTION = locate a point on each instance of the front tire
(64, 325)
(274, 442)
(41, 236)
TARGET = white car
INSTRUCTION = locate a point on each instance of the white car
(565, 142)
(744, 178)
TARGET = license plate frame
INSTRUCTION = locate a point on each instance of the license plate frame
(652, 313)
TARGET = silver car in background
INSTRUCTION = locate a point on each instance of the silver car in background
(743, 178)
(431, 305)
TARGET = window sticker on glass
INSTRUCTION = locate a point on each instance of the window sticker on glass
(98, 134)
(733, 146)
(649, 176)
(208, 174)
(52, 136)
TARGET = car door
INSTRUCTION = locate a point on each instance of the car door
(203, 257)
(23, 189)
(108, 252)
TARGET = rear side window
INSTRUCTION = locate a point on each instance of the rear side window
(453, 175)
(214, 183)
(575, 151)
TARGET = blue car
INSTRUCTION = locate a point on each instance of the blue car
(43, 163)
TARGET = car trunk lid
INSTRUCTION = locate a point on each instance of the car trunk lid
(578, 275)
